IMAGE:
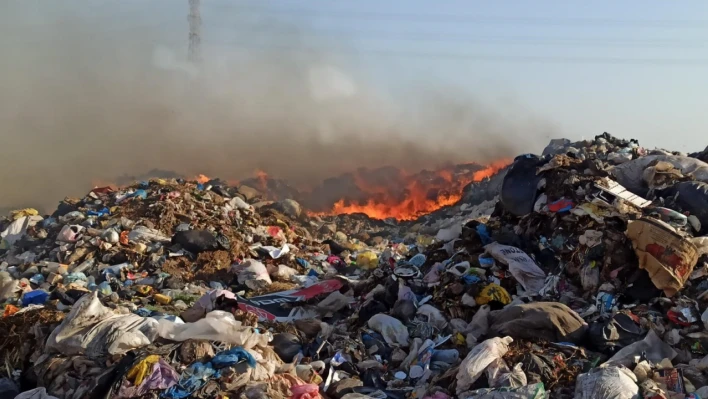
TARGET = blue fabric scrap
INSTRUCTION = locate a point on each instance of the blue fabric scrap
(233, 356)
(193, 378)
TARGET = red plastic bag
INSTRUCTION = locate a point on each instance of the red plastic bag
(307, 391)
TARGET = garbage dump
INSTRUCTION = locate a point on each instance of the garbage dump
(578, 273)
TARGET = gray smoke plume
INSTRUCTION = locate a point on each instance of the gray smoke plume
(90, 95)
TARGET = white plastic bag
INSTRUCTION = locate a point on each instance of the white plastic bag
(70, 233)
(285, 272)
(533, 391)
(478, 359)
(656, 350)
(238, 203)
(499, 375)
(147, 235)
(216, 326)
(94, 330)
(273, 252)
(393, 331)
(607, 383)
(18, 228)
(590, 278)
(450, 233)
(521, 266)
(480, 322)
(205, 304)
(37, 393)
(253, 273)
(433, 316)
(334, 302)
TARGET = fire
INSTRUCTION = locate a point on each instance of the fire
(490, 170)
(202, 178)
(262, 177)
(422, 193)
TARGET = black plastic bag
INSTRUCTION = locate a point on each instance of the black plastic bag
(286, 346)
(519, 189)
(693, 197)
(616, 333)
(196, 241)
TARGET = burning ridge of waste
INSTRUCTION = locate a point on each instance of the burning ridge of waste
(409, 196)
(381, 193)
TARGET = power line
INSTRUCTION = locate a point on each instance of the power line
(512, 40)
(686, 62)
(477, 19)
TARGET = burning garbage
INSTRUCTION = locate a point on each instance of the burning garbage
(577, 273)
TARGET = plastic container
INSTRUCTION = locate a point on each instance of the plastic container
(162, 299)
(36, 297)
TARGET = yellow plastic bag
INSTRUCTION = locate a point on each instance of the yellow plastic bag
(23, 212)
(137, 374)
(493, 292)
(424, 241)
(367, 260)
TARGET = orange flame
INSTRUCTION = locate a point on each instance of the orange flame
(202, 178)
(262, 179)
(422, 195)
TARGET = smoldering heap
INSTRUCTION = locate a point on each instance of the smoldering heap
(580, 272)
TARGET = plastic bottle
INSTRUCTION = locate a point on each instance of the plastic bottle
(450, 356)
(105, 289)
(85, 265)
(37, 279)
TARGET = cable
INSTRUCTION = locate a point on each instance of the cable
(477, 19)
(488, 57)
(512, 40)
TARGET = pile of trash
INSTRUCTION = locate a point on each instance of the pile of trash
(580, 273)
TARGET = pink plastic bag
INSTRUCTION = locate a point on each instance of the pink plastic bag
(307, 391)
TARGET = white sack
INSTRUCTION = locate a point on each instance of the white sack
(94, 330)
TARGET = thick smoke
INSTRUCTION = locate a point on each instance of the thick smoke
(84, 100)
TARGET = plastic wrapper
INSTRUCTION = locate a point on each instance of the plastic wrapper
(607, 383)
(94, 330)
(521, 266)
(393, 331)
(216, 326)
(478, 359)
(655, 349)
(253, 273)
(533, 391)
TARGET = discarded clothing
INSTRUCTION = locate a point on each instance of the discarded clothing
(550, 321)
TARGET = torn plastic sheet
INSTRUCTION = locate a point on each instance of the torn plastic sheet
(532, 391)
(37, 393)
(269, 307)
(607, 382)
(205, 304)
(273, 252)
(17, 229)
(95, 330)
(216, 326)
(652, 346)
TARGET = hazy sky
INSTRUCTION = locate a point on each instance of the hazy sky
(94, 89)
(633, 68)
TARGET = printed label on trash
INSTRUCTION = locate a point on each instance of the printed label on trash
(269, 307)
